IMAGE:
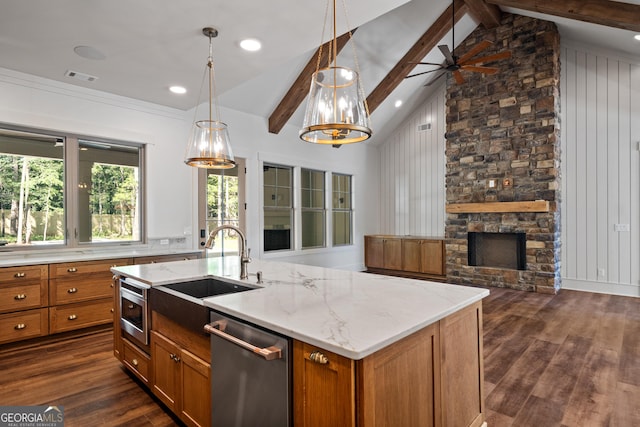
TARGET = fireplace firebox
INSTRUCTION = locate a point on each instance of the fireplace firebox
(499, 250)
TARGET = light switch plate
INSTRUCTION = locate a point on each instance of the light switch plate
(622, 227)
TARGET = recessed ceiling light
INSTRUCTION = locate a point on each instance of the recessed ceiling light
(178, 89)
(89, 52)
(398, 103)
(637, 37)
(251, 45)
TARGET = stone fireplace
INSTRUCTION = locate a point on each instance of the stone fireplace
(503, 156)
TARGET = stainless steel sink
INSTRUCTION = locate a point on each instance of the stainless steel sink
(184, 304)
(208, 287)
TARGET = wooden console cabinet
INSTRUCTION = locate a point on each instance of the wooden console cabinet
(433, 377)
(408, 256)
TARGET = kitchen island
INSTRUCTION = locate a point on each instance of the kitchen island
(394, 349)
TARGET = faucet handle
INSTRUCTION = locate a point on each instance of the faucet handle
(247, 257)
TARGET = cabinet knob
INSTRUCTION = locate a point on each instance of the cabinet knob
(111, 310)
(318, 357)
(20, 297)
(72, 290)
(72, 270)
(19, 326)
(72, 317)
(134, 362)
(174, 357)
(19, 275)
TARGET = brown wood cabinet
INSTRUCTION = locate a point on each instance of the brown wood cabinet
(430, 378)
(181, 373)
(409, 256)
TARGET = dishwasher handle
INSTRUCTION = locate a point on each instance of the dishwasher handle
(268, 353)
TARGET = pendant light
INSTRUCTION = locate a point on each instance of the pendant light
(337, 111)
(209, 140)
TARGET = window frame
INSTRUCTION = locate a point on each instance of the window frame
(304, 209)
(290, 209)
(71, 184)
(335, 210)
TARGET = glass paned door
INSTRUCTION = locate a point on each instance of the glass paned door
(224, 205)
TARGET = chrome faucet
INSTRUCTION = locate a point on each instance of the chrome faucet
(244, 251)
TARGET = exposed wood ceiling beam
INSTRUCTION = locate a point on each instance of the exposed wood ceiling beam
(488, 14)
(300, 88)
(416, 54)
(603, 12)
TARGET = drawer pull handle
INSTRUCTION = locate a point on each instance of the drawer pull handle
(72, 317)
(72, 290)
(20, 297)
(318, 357)
(134, 362)
(72, 270)
(19, 275)
(19, 326)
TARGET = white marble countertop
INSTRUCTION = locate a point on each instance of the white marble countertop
(15, 259)
(350, 313)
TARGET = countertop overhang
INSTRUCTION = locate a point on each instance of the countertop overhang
(353, 314)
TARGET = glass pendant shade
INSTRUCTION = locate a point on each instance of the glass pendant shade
(336, 111)
(209, 146)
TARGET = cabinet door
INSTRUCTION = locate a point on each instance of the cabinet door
(323, 393)
(166, 370)
(462, 368)
(196, 390)
(412, 258)
(400, 384)
(393, 253)
(432, 257)
(373, 252)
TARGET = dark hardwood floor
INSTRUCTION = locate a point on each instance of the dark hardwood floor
(572, 360)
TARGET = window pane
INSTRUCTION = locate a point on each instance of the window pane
(108, 192)
(31, 189)
(312, 229)
(223, 208)
(341, 228)
(278, 208)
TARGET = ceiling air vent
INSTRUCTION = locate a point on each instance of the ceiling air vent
(80, 76)
(424, 127)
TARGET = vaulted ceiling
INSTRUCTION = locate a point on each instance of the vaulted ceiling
(149, 45)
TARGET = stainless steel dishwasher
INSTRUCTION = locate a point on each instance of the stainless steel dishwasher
(250, 375)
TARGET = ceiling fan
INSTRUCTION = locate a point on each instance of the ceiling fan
(467, 62)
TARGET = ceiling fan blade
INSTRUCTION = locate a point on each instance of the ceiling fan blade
(477, 69)
(425, 63)
(435, 78)
(447, 53)
(475, 50)
(458, 76)
(488, 58)
(424, 72)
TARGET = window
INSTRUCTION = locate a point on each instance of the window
(312, 208)
(278, 207)
(342, 211)
(37, 208)
(223, 191)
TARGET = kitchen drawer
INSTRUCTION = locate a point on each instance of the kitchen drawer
(27, 273)
(166, 258)
(70, 291)
(22, 296)
(137, 361)
(23, 325)
(80, 315)
(99, 268)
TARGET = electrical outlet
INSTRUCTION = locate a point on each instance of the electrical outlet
(601, 272)
(622, 227)
(164, 241)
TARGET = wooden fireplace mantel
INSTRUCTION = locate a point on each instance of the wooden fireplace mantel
(494, 207)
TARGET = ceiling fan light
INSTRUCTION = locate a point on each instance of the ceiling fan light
(336, 112)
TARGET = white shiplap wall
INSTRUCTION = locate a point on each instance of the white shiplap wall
(600, 128)
(412, 169)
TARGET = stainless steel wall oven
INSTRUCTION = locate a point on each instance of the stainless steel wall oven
(135, 316)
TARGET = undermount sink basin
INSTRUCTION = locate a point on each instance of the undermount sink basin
(209, 287)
